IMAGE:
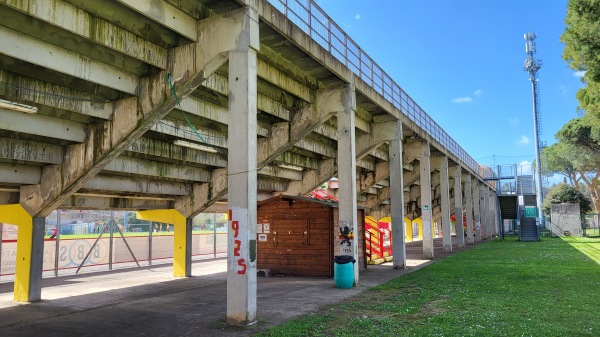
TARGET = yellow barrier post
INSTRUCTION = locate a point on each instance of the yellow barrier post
(408, 229)
(30, 252)
(182, 237)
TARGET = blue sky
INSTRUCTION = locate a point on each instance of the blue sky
(462, 62)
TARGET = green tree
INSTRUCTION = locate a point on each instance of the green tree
(576, 150)
(582, 50)
(563, 193)
(557, 160)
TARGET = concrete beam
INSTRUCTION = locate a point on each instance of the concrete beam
(380, 133)
(203, 194)
(166, 15)
(157, 170)
(285, 135)
(369, 179)
(102, 202)
(58, 98)
(265, 184)
(280, 172)
(137, 186)
(316, 147)
(20, 174)
(312, 178)
(27, 48)
(166, 151)
(181, 129)
(15, 149)
(41, 125)
(94, 29)
(273, 75)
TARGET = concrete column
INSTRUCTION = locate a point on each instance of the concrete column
(494, 213)
(469, 212)
(445, 204)
(493, 226)
(242, 176)
(476, 209)
(347, 171)
(483, 200)
(456, 172)
(426, 209)
(397, 200)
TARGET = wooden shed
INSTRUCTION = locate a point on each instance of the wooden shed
(300, 236)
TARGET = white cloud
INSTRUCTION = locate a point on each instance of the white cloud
(462, 100)
(357, 16)
(523, 140)
(579, 73)
(525, 167)
(514, 121)
(478, 92)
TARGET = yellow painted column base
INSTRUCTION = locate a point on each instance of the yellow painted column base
(15, 214)
(181, 256)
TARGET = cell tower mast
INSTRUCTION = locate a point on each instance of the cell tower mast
(531, 66)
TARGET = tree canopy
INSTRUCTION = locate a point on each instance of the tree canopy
(582, 50)
(563, 193)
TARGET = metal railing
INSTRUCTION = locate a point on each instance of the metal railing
(313, 20)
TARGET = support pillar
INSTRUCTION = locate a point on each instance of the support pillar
(469, 212)
(347, 171)
(445, 204)
(408, 227)
(476, 209)
(397, 200)
(30, 252)
(492, 222)
(426, 209)
(456, 172)
(182, 237)
(488, 213)
(494, 208)
(483, 199)
(242, 175)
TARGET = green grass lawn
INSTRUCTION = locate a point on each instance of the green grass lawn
(510, 288)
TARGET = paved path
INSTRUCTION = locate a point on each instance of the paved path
(149, 302)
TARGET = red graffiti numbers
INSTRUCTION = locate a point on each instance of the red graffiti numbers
(235, 226)
(242, 263)
(237, 246)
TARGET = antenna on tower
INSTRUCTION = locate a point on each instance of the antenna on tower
(531, 66)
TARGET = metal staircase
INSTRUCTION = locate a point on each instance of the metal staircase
(515, 185)
(509, 204)
(529, 230)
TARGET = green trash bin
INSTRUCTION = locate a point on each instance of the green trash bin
(343, 271)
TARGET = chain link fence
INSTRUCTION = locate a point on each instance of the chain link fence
(95, 241)
(590, 225)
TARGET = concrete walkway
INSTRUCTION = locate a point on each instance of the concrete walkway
(150, 302)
